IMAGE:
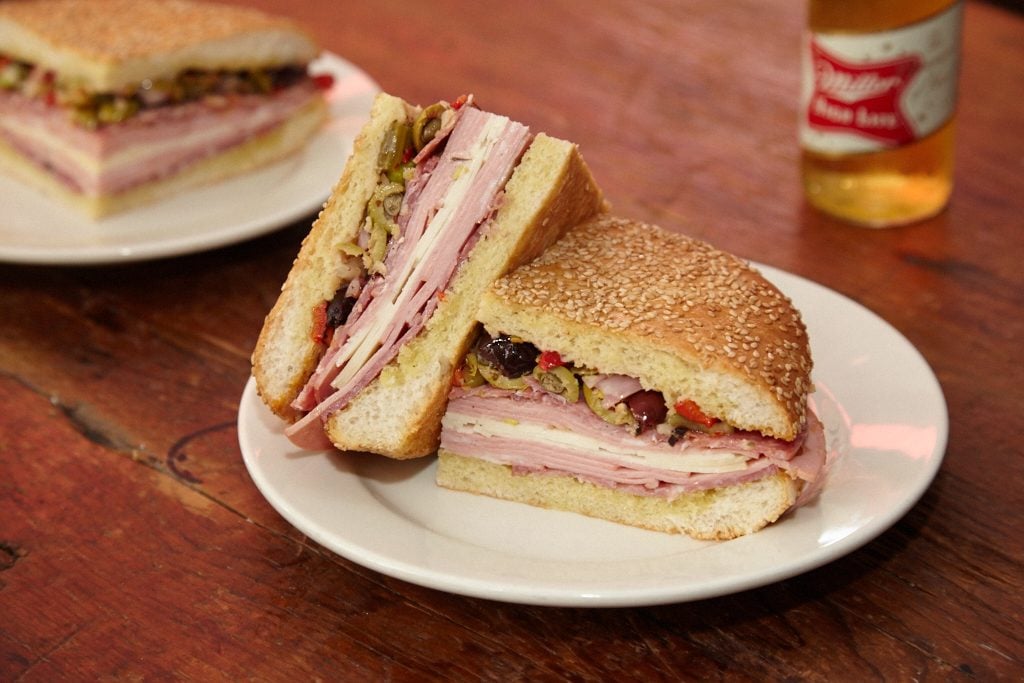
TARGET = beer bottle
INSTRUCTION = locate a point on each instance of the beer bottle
(878, 107)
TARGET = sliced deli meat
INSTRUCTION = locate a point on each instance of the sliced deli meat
(535, 432)
(449, 201)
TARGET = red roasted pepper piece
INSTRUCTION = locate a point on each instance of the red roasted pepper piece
(319, 332)
(549, 359)
(323, 81)
(692, 412)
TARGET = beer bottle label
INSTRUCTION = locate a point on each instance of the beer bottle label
(872, 91)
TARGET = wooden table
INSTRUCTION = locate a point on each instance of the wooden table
(134, 545)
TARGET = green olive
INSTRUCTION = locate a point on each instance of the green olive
(559, 380)
(116, 109)
(85, 117)
(619, 415)
(385, 204)
(496, 379)
(427, 124)
(13, 74)
(471, 376)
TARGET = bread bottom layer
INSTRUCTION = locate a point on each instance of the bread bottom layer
(261, 150)
(715, 514)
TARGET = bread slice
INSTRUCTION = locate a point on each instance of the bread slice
(104, 46)
(285, 354)
(683, 317)
(398, 414)
(714, 514)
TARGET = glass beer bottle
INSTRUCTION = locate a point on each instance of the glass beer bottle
(878, 108)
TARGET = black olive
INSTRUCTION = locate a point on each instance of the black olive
(338, 309)
(677, 433)
(648, 407)
(511, 359)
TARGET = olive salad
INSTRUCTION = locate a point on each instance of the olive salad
(510, 363)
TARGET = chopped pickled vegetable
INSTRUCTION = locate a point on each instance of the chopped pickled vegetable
(95, 109)
(718, 427)
(400, 173)
(373, 257)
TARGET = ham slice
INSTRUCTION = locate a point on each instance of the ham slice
(447, 205)
(539, 433)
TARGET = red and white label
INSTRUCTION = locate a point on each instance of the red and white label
(867, 92)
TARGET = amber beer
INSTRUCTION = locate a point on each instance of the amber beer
(878, 108)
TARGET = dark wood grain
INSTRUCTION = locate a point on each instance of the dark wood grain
(133, 544)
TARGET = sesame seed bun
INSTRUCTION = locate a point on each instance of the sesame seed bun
(103, 45)
(684, 318)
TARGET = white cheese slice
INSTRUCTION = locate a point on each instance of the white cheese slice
(359, 348)
(640, 457)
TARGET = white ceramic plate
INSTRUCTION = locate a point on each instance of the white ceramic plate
(37, 229)
(884, 415)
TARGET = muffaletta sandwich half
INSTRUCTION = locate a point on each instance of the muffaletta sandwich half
(638, 376)
(379, 308)
(109, 104)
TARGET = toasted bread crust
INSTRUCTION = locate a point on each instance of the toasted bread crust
(103, 45)
(683, 317)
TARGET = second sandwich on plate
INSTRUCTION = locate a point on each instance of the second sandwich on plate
(639, 376)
